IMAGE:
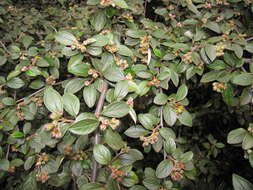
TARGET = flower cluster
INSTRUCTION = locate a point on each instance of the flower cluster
(144, 45)
(80, 155)
(120, 62)
(177, 171)
(154, 82)
(220, 49)
(42, 159)
(94, 73)
(152, 139)
(219, 87)
(250, 129)
(53, 127)
(187, 58)
(42, 177)
(112, 48)
(50, 80)
(106, 3)
(179, 108)
(113, 123)
(116, 173)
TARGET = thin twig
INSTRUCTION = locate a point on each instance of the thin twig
(161, 124)
(145, 7)
(249, 39)
(37, 92)
(8, 151)
(97, 133)
(7, 51)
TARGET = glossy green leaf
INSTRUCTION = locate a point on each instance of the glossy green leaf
(90, 96)
(53, 100)
(101, 154)
(71, 104)
(84, 127)
(164, 169)
(116, 109)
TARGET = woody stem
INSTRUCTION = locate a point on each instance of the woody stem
(97, 133)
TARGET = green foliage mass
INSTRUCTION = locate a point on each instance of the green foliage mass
(124, 94)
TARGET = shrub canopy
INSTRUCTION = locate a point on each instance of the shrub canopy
(123, 94)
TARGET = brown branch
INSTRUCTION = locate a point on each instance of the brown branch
(37, 92)
(249, 39)
(7, 51)
(97, 133)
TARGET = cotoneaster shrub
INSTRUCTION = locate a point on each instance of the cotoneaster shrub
(122, 94)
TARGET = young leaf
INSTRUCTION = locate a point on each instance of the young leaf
(84, 127)
(71, 104)
(101, 154)
(53, 100)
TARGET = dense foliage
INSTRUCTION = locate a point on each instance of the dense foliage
(126, 94)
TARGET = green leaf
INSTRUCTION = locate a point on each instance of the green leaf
(167, 133)
(136, 131)
(181, 92)
(124, 50)
(247, 142)
(135, 33)
(90, 96)
(185, 118)
(84, 127)
(15, 83)
(238, 50)
(4, 164)
(101, 154)
(161, 99)
(170, 145)
(65, 38)
(121, 90)
(74, 85)
(121, 3)
(113, 139)
(29, 162)
(211, 52)
(243, 79)
(236, 136)
(98, 21)
(116, 109)
(53, 100)
(169, 115)
(186, 157)
(3, 60)
(17, 134)
(214, 27)
(77, 67)
(92, 186)
(148, 120)
(164, 169)
(249, 47)
(113, 74)
(71, 104)
(239, 183)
